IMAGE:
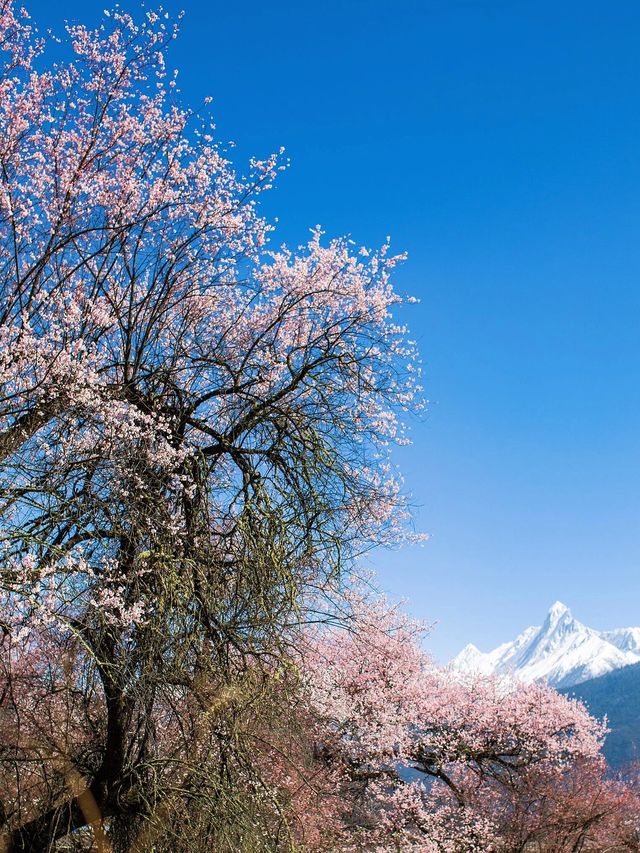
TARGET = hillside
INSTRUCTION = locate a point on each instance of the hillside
(616, 694)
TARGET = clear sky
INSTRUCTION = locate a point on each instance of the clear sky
(497, 142)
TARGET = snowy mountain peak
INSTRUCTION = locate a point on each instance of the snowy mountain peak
(559, 619)
(626, 639)
(557, 611)
(470, 650)
(562, 652)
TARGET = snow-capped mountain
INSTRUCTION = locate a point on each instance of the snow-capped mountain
(563, 652)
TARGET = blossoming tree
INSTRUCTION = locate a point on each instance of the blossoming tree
(432, 763)
(193, 434)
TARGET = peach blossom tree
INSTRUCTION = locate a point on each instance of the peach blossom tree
(432, 762)
(194, 435)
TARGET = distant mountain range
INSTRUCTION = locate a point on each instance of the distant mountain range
(563, 652)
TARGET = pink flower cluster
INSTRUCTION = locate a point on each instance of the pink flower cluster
(432, 763)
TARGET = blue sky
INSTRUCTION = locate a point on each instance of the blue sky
(496, 142)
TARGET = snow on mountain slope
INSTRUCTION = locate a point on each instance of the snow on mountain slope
(626, 639)
(562, 651)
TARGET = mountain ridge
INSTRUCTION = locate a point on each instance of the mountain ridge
(562, 651)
